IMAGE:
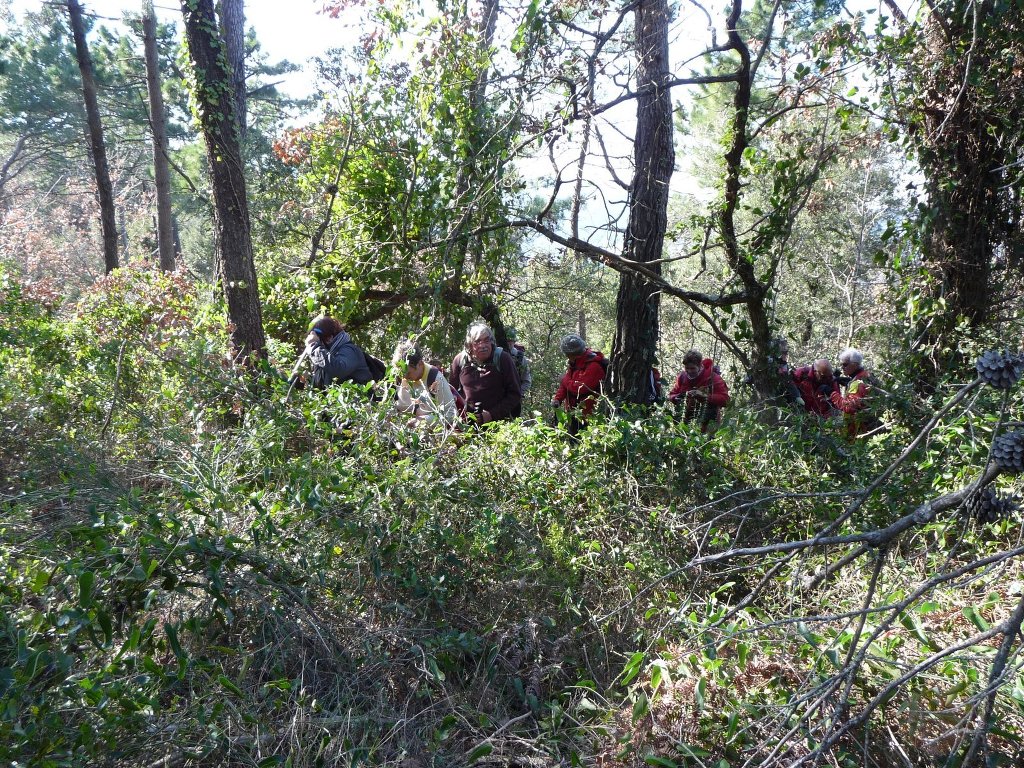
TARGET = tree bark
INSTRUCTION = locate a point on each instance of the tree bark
(232, 26)
(636, 315)
(969, 126)
(231, 207)
(763, 380)
(94, 135)
(158, 125)
(462, 249)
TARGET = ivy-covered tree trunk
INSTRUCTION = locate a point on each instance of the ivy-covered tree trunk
(232, 25)
(966, 116)
(231, 208)
(158, 126)
(97, 146)
(470, 248)
(741, 262)
(636, 315)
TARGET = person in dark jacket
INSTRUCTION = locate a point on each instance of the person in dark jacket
(485, 376)
(655, 386)
(333, 355)
(816, 384)
(581, 383)
(700, 390)
(778, 362)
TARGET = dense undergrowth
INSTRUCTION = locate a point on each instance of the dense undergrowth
(199, 569)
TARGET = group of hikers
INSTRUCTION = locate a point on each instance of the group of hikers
(487, 382)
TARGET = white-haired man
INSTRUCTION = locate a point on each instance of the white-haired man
(486, 377)
(854, 402)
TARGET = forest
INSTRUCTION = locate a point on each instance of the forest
(208, 561)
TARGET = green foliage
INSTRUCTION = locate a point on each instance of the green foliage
(201, 567)
(192, 560)
(380, 199)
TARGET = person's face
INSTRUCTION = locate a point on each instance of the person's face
(481, 348)
(414, 371)
(692, 370)
(849, 367)
(784, 352)
(823, 372)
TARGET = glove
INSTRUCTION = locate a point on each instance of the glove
(799, 402)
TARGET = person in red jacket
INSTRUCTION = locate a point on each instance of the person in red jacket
(700, 390)
(816, 385)
(855, 403)
(581, 383)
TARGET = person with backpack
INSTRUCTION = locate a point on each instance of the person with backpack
(778, 364)
(655, 386)
(333, 355)
(423, 391)
(485, 377)
(581, 383)
(700, 391)
(518, 352)
(855, 402)
(816, 384)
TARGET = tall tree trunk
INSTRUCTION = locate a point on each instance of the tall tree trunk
(94, 134)
(763, 379)
(232, 29)
(636, 312)
(462, 249)
(967, 117)
(158, 124)
(231, 207)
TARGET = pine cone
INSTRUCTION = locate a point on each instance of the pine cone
(1008, 452)
(987, 506)
(1000, 370)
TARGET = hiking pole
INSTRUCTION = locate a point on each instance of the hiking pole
(295, 373)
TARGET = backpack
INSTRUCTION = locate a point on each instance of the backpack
(519, 358)
(460, 401)
(377, 367)
(605, 363)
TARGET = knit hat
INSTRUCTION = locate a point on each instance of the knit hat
(573, 345)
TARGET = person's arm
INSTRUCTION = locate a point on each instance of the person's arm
(525, 377)
(561, 394)
(510, 381)
(319, 359)
(719, 394)
(589, 380)
(444, 400)
(404, 402)
(792, 393)
(676, 392)
(315, 349)
(856, 391)
(455, 375)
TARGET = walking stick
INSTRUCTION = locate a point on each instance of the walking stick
(295, 373)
